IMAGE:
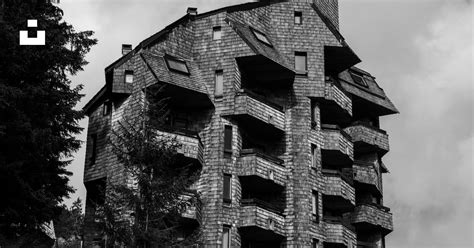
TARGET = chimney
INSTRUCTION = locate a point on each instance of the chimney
(192, 11)
(330, 9)
(126, 48)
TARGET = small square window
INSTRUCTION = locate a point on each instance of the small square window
(226, 237)
(107, 108)
(298, 17)
(128, 76)
(261, 37)
(216, 33)
(176, 65)
(300, 62)
(219, 83)
(359, 79)
(227, 188)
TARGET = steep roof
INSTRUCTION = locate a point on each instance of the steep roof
(245, 32)
(372, 92)
(194, 81)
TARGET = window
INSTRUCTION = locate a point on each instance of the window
(176, 65)
(359, 79)
(94, 148)
(219, 81)
(298, 17)
(226, 238)
(313, 156)
(314, 121)
(228, 139)
(315, 243)
(216, 33)
(300, 62)
(107, 109)
(314, 205)
(128, 76)
(261, 37)
(227, 188)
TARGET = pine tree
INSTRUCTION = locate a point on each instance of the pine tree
(146, 211)
(38, 122)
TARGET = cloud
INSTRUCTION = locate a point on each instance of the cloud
(430, 186)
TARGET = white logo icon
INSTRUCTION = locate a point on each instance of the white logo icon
(40, 38)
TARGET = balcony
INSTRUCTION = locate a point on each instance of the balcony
(367, 138)
(338, 193)
(257, 114)
(193, 212)
(372, 217)
(366, 177)
(262, 169)
(191, 147)
(339, 233)
(260, 226)
(337, 149)
(335, 104)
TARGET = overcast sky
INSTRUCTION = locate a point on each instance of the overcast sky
(420, 51)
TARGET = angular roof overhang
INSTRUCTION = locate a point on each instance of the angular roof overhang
(270, 52)
(337, 59)
(183, 90)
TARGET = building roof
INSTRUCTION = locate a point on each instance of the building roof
(372, 92)
(245, 32)
(194, 81)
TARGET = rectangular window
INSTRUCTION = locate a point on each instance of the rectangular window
(94, 148)
(314, 121)
(298, 17)
(128, 76)
(107, 109)
(300, 62)
(313, 156)
(219, 81)
(228, 139)
(226, 237)
(176, 65)
(261, 37)
(314, 205)
(216, 33)
(315, 243)
(227, 188)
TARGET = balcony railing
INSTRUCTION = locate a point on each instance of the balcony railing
(194, 210)
(333, 92)
(258, 109)
(366, 174)
(189, 141)
(336, 186)
(253, 162)
(263, 204)
(368, 138)
(339, 231)
(373, 216)
(338, 142)
(258, 217)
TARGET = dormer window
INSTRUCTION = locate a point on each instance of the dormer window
(359, 79)
(128, 76)
(261, 37)
(176, 65)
